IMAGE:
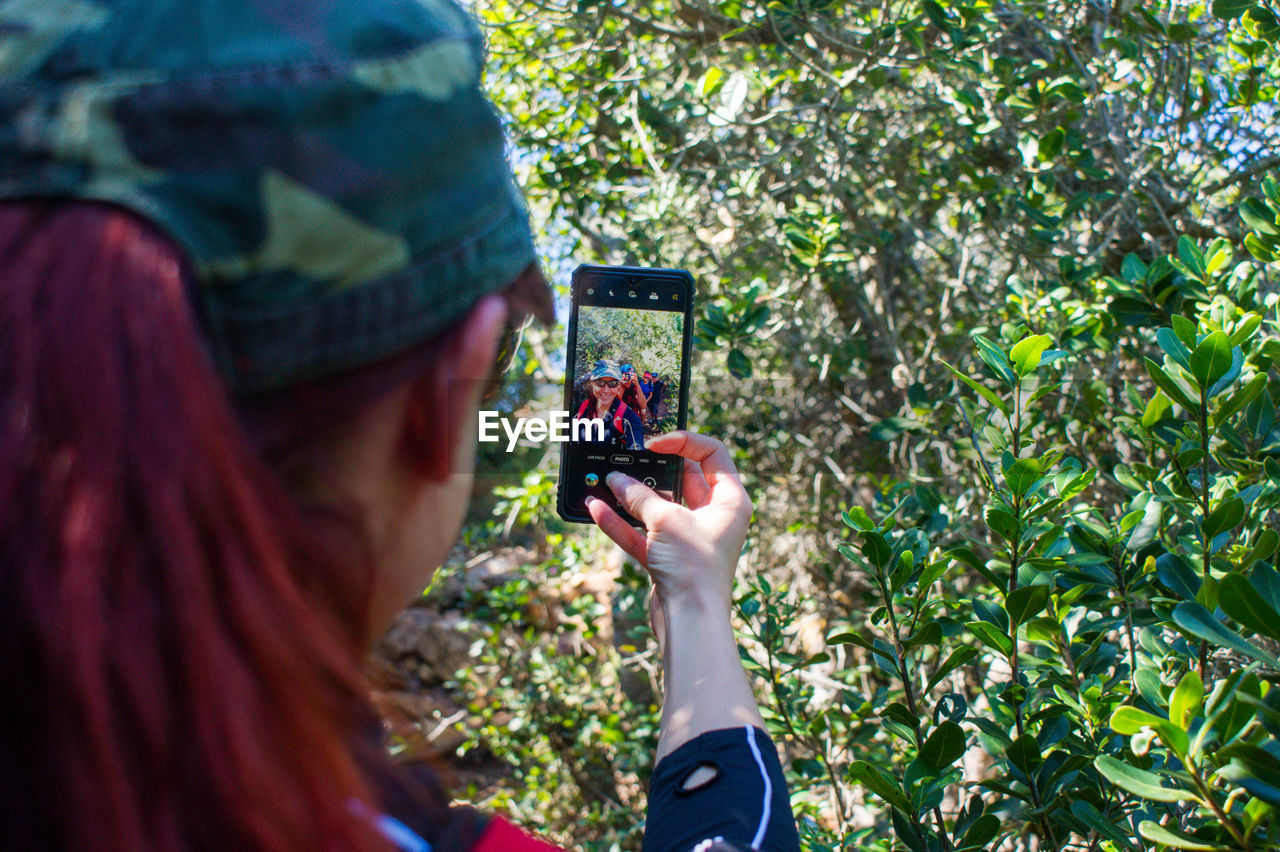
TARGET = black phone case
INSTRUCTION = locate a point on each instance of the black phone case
(683, 404)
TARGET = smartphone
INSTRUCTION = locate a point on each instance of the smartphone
(626, 381)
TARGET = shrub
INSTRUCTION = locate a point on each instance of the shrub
(1089, 664)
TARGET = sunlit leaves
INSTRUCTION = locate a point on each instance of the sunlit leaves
(1141, 783)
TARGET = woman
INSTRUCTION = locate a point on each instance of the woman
(623, 427)
(256, 262)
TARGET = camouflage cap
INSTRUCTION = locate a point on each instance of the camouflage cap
(332, 169)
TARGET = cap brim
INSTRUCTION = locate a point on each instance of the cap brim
(530, 295)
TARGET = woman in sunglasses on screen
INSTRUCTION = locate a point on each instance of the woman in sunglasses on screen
(623, 427)
(254, 256)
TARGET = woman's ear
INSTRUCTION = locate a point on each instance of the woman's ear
(440, 417)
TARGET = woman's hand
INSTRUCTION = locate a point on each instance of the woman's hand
(690, 551)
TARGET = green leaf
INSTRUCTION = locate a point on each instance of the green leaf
(1232, 373)
(1178, 576)
(1146, 530)
(1026, 603)
(1044, 630)
(1139, 782)
(1167, 384)
(1246, 329)
(1219, 256)
(739, 364)
(958, 658)
(1185, 329)
(1267, 581)
(1270, 186)
(995, 359)
(983, 391)
(875, 548)
(982, 831)
(991, 636)
(1211, 359)
(850, 637)
(1157, 833)
(1133, 269)
(1174, 347)
(1157, 409)
(1258, 248)
(1262, 781)
(1240, 398)
(858, 519)
(1231, 706)
(1226, 517)
(1266, 545)
(936, 14)
(1084, 810)
(1024, 753)
(1001, 522)
(1184, 704)
(1230, 9)
(1067, 90)
(1051, 144)
(929, 634)
(1240, 600)
(1026, 353)
(711, 81)
(1255, 758)
(943, 747)
(1130, 720)
(903, 828)
(1199, 622)
(1021, 475)
(899, 713)
(1258, 216)
(967, 556)
(1189, 253)
(879, 782)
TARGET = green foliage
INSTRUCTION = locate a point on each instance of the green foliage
(557, 702)
(1114, 660)
(648, 340)
(997, 279)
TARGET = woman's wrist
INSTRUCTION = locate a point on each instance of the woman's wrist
(696, 604)
(706, 686)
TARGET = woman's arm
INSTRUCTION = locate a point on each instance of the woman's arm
(717, 773)
(705, 686)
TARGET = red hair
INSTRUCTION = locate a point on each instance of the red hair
(177, 672)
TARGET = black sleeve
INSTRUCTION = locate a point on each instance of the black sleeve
(745, 806)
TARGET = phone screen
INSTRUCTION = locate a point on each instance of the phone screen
(626, 381)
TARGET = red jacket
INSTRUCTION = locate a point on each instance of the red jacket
(502, 836)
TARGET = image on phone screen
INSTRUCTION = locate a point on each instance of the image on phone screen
(626, 381)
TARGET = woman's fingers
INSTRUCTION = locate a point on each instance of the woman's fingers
(714, 459)
(640, 501)
(697, 493)
(706, 451)
(623, 534)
